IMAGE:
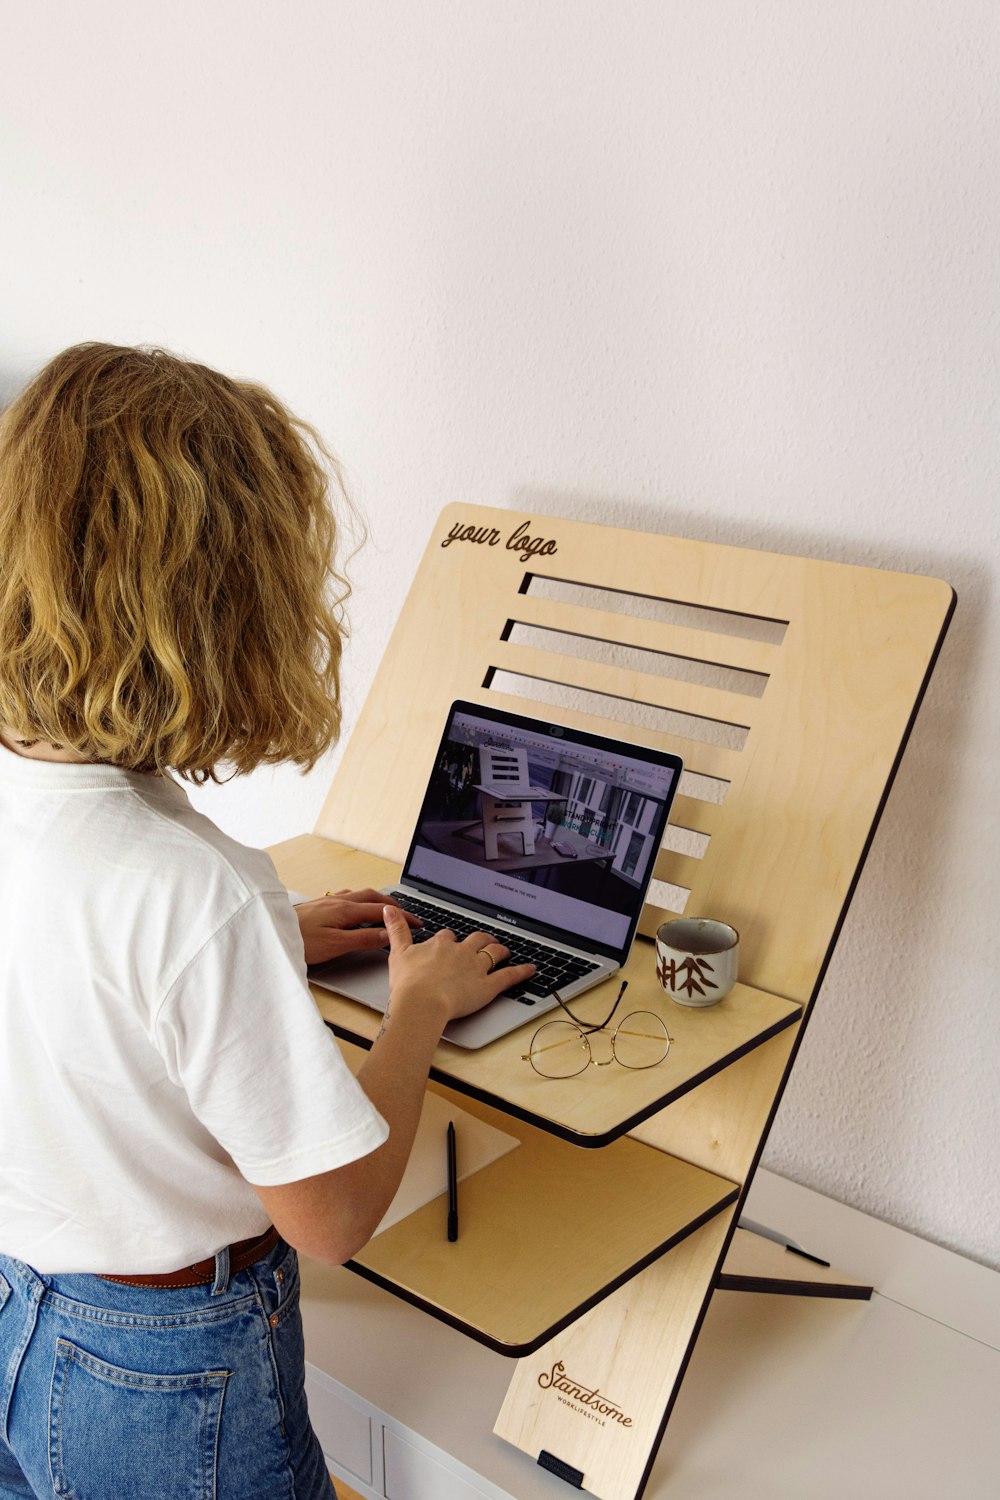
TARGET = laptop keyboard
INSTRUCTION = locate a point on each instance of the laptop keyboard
(554, 968)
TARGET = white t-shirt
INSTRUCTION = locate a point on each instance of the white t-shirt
(159, 1048)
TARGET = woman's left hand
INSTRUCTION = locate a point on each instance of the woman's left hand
(344, 922)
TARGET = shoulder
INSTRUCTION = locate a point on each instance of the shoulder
(201, 893)
(187, 844)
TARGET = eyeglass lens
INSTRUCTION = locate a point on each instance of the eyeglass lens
(640, 1041)
(559, 1050)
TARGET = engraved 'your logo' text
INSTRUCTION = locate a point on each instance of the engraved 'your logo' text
(518, 541)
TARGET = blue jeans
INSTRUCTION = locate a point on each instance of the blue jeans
(112, 1392)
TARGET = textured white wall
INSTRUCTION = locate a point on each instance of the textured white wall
(723, 269)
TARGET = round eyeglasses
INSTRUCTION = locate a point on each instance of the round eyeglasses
(562, 1049)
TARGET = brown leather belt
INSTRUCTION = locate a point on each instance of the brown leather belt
(241, 1255)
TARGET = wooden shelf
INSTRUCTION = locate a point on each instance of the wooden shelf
(546, 1232)
(589, 1110)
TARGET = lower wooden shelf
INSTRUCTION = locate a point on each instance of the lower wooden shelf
(546, 1232)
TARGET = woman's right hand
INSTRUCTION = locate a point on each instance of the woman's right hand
(457, 976)
(332, 1214)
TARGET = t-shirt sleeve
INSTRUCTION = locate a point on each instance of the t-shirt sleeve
(239, 1032)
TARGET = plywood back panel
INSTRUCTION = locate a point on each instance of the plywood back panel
(786, 684)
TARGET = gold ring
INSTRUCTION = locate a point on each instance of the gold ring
(489, 955)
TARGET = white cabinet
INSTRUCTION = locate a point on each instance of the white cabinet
(411, 1474)
(342, 1425)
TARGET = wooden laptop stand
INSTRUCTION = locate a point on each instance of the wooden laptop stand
(789, 687)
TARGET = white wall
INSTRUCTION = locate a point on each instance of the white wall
(724, 269)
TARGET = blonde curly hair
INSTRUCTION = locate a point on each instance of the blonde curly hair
(168, 594)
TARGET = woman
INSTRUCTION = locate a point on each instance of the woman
(168, 1092)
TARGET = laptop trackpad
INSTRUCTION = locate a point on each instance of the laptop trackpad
(359, 976)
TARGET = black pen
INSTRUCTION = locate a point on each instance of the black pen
(452, 1185)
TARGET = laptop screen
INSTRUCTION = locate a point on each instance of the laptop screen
(542, 824)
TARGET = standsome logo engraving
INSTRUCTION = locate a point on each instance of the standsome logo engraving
(589, 1402)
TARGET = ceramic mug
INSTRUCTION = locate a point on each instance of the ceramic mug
(697, 959)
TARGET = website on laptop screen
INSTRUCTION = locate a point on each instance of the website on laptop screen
(539, 824)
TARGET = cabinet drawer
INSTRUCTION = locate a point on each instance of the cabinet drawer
(344, 1432)
(413, 1475)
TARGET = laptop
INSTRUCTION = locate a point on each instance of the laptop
(539, 833)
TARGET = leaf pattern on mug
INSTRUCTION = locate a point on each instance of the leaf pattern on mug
(687, 976)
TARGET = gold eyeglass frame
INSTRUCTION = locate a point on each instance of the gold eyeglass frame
(585, 1031)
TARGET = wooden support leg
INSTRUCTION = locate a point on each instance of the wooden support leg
(630, 1352)
(756, 1264)
(594, 1399)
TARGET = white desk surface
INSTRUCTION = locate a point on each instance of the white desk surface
(786, 1398)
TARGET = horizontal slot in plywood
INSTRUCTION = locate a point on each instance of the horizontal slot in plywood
(554, 696)
(698, 800)
(700, 792)
(545, 1233)
(638, 698)
(664, 896)
(713, 620)
(687, 841)
(629, 658)
(601, 1104)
